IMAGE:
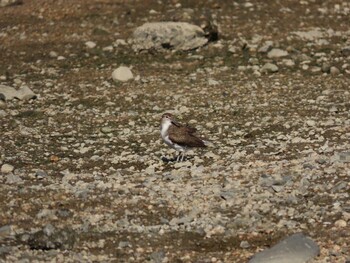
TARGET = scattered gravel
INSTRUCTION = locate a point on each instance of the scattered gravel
(91, 179)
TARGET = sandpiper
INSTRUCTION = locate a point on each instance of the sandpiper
(180, 137)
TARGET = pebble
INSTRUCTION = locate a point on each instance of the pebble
(311, 123)
(345, 51)
(5, 231)
(90, 44)
(53, 54)
(270, 68)
(277, 53)
(13, 179)
(40, 174)
(122, 74)
(334, 71)
(326, 67)
(7, 168)
(107, 129)
(266, 47)
(340, 223)
(244, 244)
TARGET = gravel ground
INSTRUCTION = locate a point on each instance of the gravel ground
(84, 175)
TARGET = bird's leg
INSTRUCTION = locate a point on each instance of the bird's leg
(178, 157)
(183, 156)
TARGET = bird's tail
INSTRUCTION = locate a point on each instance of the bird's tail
(208, 143)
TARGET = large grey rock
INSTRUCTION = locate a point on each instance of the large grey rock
(174, 35)
(23, 93)
(296, 248)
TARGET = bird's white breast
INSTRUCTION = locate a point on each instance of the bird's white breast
(164, 133)
(165, 136)
(164, 129)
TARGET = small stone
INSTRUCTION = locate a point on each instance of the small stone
(311, 123)
(340, 223)
(13, 179)
(346, 51)
(343, 157)
(49, 229)
(5, 231)
(40, 174)
(53, 54)
(334, 71)
(270, 68)
(266, 47)
(107, 129)
(25, 93)
(213, 82)
(122, 74)
(7, 168)
(90, 44)
(326, 67)
(288, 62)
(108, 48)
(277, 53)
(124, 244)
(277, 188)
(152, 12)
(244, 244)
(158, 256)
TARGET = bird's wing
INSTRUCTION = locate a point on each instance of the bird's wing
(181, 136)
(188, 128)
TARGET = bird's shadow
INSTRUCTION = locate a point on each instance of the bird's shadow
(174, 159)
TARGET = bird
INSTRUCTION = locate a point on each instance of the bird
(179, 137)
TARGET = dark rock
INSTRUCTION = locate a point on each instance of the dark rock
(346, 51)
(52, 238)
(40, 174)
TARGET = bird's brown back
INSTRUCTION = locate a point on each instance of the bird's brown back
(184, 136)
